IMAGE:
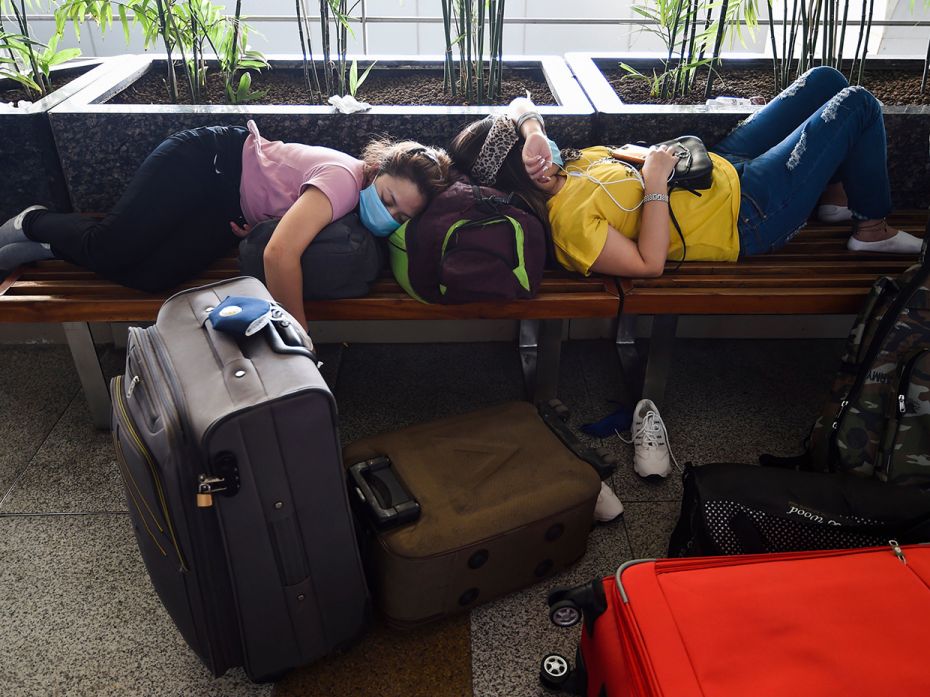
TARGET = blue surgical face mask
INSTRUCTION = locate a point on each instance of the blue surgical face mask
(374, 213)
(556, 155)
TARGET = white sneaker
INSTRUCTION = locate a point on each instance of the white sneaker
(901, 243)
(829, 213)
(608, 507)
(652, 455)
(12, 230)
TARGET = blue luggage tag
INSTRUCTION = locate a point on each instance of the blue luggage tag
(241, 314)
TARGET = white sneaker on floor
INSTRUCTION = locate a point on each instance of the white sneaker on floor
(608, 507)
(652, 456)
(828, 213)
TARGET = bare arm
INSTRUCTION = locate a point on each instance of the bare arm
(297, 229)
(537, 159)
(646, 256)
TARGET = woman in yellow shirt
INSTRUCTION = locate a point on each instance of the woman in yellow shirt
(818, 135)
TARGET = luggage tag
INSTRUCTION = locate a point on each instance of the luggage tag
(241, 314)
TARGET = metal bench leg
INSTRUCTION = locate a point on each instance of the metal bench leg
(660, 357)
(630, 362)
(540, 354)
(88, 368)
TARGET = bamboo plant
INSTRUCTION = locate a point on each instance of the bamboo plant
(185, 28)
(476, 29)
(688, 28)
(339, 76)
(23, 58)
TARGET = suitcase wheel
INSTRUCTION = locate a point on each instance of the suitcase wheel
(554, 671)
(564, 613)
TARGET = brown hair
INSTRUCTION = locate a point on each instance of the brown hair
(425, 166)
(512, 175)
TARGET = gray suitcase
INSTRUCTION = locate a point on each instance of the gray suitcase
(230, 456)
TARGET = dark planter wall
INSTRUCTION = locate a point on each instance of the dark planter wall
(908, 127)
(31, 171)
(101, 144)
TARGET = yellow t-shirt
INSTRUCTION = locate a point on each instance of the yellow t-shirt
(581, 211)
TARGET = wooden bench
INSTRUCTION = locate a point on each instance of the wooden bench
(814, 274)
(55, 291)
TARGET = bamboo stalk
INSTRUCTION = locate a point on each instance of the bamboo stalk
(865, 44)
(479, 44)
(163, 30)
(718, 41)
(448, 79)
(774, 45)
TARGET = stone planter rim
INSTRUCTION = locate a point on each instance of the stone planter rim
(586, 70)
(100, 66)
(564, 87)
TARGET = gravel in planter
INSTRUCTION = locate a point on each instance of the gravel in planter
(287, 86)
(891, 87)
(59, 78)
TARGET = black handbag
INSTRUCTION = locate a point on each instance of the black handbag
(695, 169)
(747, 509)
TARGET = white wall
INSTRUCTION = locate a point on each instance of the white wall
(401, 38)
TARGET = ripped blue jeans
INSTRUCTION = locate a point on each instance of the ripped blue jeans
(819, 130)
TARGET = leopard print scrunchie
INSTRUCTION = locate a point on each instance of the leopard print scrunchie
(499, 141)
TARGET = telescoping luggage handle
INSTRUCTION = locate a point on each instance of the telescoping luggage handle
(385, 497)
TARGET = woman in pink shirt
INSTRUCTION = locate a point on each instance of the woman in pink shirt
(202, 189)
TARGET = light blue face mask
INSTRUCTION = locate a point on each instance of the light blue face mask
(556, 155)
(374, 213)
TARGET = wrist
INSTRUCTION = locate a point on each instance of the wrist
(655, 196)
(529, 122)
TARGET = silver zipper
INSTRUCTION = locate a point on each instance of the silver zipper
(902, 406)
(898, 552)
(132, 385)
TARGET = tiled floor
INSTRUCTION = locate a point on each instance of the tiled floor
(79, 617)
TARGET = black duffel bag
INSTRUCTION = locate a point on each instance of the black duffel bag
(747, 509)
(343, 261)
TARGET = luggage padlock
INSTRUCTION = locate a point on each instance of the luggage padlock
(206, 487)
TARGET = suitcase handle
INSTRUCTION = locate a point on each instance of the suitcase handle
(383, 494)
(284, 338)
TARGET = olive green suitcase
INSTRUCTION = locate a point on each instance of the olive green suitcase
(465, 509)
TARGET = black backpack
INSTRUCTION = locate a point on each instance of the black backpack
(471, 244)
(343, 261)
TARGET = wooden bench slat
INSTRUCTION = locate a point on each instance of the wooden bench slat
(813, 274)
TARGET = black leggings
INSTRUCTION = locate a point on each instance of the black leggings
(170, 223)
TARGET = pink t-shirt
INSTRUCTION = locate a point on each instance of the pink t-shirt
(275, 174)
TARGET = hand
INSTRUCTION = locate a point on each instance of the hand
(537, 158)
(660, 163)
(240, 231)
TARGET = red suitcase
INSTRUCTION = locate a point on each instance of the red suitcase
(850, 623)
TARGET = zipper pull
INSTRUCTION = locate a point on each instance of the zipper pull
(839, 414)
(132, 385)
(898, 552)
(902, 406)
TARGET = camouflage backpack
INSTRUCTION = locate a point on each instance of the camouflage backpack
(877, 419)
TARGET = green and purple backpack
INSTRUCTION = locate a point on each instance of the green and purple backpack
(877, 419)
(471, 244)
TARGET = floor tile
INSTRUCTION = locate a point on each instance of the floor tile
(37, 384)
(649, 526)
(74, 471)
(429, 661)
(510, 636)
(78, 616)
(383, 386)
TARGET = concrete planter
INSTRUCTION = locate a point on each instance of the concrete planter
(29, 162)
(908, 127)
(110, 141)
